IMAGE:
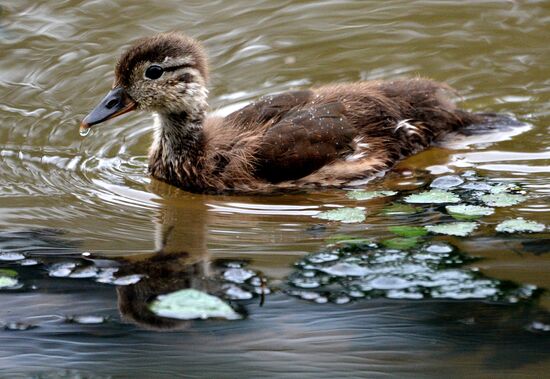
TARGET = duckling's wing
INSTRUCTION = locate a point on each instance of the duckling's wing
(304, 140)
(268, 109)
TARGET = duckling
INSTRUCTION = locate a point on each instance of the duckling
(330, 136)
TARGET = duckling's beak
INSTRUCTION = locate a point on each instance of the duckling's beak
(116, 102)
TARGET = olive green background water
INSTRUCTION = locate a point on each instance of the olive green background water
(56, 62)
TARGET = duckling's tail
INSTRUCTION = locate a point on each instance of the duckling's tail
(484, 128)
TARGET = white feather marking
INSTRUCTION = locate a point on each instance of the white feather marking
(409, 128)
(359, 151)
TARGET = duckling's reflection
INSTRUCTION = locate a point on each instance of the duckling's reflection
(181, 261)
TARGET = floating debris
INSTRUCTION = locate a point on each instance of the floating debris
(345, 215)
(460, 229)
(238, 275)
(345, 269)
(10, 256)
(61, 270)
(235, 292)
(439, 248)
(188, 304)
(28, 262)
(127, 280)
(520, 225)
(447, 181)
(502, 199)
(468, 212)
(18, 326)
(84, 272)
(408, 231)
(435, 196)
(368, 195)
(87, 319)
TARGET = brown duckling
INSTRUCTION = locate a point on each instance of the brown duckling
(334, 135)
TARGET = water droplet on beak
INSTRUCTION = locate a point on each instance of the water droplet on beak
(84, 131)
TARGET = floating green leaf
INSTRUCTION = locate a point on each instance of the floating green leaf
(502, 199)
(401, 243)
(468, 212)
(188, 304)
(400, 209)
(460, 229)
(408, 231)
(6, 282)
(503, 188)
(520, 225)
(345, 215)
(368, 195)
(433, 197)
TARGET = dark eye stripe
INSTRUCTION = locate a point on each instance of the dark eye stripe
(174, 68)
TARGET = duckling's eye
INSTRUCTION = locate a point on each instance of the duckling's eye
(154, 72)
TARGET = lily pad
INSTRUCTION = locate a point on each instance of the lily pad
(468, 212)
(368, 195)
(400, 209)
(503, 188)
(520, 225)
(502, 199)
(408, 231)
(435, 196)
(460, 229)
(345, 215)
(401, 243)
(188, 304)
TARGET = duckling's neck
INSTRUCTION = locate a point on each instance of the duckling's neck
(178, 140)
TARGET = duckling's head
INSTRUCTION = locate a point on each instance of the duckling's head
(166, 73)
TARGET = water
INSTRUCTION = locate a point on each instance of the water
(106, 239)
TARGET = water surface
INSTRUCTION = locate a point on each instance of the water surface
(85, 207)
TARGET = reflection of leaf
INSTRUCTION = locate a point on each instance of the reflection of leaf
(502, 199)
(347, 239)
(345, 215)
(400, 209)
(467, 212)
(188, 304)
(367, 195)
(401, 243)
(433, 197)
(519, 225)
(8, 272)
(460, 229)
(408, 231)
